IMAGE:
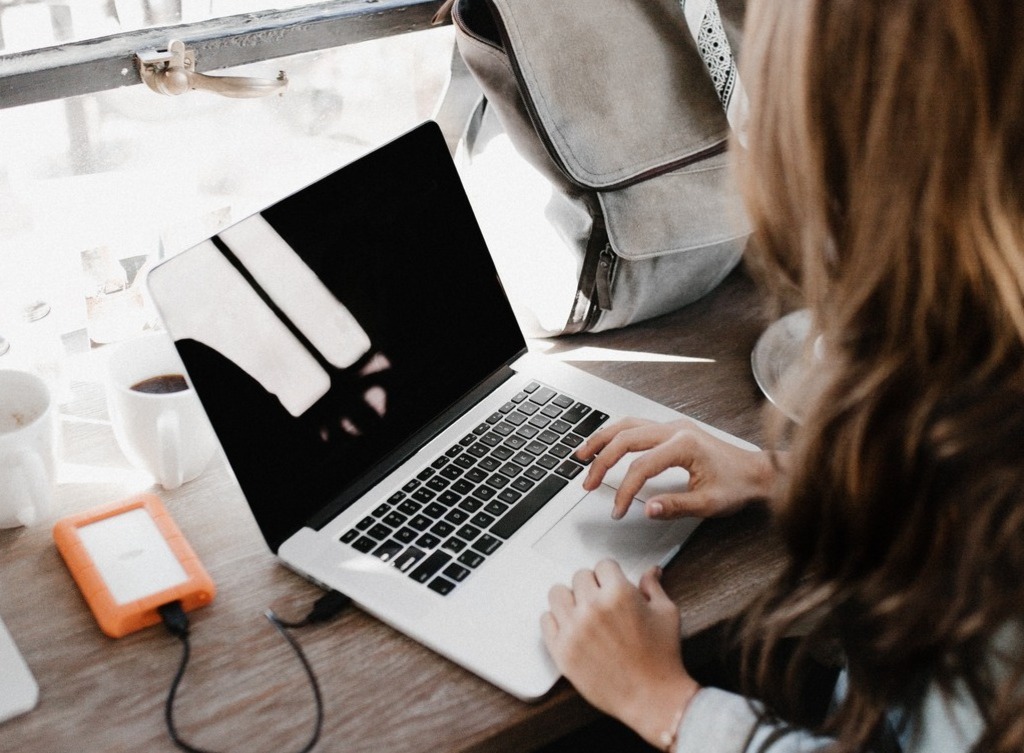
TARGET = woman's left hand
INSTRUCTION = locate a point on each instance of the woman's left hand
(619, 644)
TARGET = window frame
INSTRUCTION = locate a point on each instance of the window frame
(95, 65)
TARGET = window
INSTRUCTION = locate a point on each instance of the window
(99, 176)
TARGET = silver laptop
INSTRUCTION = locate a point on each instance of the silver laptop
(374, 396)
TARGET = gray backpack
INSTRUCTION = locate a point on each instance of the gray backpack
(610, 101)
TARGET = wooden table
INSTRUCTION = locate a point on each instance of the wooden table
(244, 690)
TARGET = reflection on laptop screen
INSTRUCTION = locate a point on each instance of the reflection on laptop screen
(321, 334)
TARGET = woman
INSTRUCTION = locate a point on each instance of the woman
(885, 181)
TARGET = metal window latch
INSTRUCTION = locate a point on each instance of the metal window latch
(173, 71)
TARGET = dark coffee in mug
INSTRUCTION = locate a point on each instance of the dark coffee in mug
(161, 385)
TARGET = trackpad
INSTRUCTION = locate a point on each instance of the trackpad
(587, 534)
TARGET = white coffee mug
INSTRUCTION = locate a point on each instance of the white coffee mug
(28, 449)
(164, 433)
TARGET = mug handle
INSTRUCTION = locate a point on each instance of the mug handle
(34, 504)
(172, 471)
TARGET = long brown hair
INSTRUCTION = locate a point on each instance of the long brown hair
(885, 180)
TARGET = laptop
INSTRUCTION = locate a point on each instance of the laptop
(377, 403)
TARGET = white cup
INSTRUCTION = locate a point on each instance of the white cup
(28, 449)
(166, 434)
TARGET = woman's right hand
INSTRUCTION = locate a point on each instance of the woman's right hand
(724, 478)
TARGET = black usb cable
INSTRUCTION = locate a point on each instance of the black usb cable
(177, 624)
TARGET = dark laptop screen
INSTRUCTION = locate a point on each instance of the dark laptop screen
(343, 320)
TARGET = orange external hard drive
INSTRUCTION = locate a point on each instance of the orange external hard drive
(129, 558)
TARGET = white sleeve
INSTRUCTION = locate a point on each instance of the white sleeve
(721, 722)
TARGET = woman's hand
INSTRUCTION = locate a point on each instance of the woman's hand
(723, 478)
(620, 646)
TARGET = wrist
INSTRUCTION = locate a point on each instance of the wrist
(657, 718)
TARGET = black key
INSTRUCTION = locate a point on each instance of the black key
(447, 499)
(486, 544)
(396, 497)
(569, 469)
(451, 472)
(531, 387)
(509, 406)
(425, 474)
(409, 507)
(406, 535)
(349, 536)
(411, 486)
(453, 451)
(456, 516)
(547, 437)
(440, 463)
(421, 522)
(475, 475)
(573, 440)
(562, 401)
(434, 510)
(482, 519)
(515, 442)
(428, 541)
(504, 429)
(522, 458)
(379, 532)
(485, 492)
(465, 461)
(388, 550)
(535, 473)
(469, 504)
(494, 418)
(528, 408)
(517, 418)
(463, 486)
(489, 464)
(442, 528)
(468, 532)
(365, 523)
(394, 519)
(454, 545)
(364, 544)
(496, 481)
(438, 484)
(559, 426)
(467, 440)
(423, 495)
(491, 439)
(511, 470)
(560, 450)
(502, 453)
(509, 496)
(442, 586)
(408, 558)
(479, 449)
(496, 508)
(426, 569)
(548, 461)
(456, 572)
(381, 511)
(527, 431)
(589, 425)
(480, 429)
(576, 413)
(551, 411)
(522, 484)
(536, 448)
(528, 506)
(473, 559)
(542, 396)
(540, 421)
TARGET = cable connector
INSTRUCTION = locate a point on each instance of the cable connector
(175, 619)
(325, 608)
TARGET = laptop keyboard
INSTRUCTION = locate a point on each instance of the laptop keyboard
(444, 522)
